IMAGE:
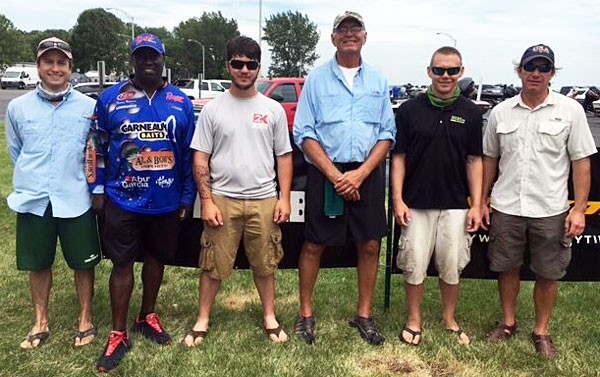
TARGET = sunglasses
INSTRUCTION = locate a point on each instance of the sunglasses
(239, 64)
(52, 44)
(543, 68)
(439, 71)
(353, 29)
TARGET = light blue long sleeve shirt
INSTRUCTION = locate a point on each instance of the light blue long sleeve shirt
(46, 143)
(346, 123)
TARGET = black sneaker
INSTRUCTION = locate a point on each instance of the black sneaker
(368, 330)
(304, 327)
(151, 329)
(118, 345)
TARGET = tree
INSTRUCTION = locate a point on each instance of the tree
(213, 31)
(293, 38)
(13, 47)
(100, 35)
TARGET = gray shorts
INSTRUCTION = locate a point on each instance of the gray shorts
(511, 236)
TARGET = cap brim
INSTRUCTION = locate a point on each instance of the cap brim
(147, 46)
(527, 60)
(347, 17)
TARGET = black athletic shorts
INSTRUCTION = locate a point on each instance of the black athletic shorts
(362, 220)
(127, 235)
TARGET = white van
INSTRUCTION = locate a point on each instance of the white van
(210, 89)
(20, 77)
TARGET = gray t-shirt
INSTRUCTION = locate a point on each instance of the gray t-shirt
(241, 135)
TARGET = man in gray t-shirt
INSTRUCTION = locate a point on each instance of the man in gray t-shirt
(236, 137)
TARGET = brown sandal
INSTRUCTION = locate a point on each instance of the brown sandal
(502, 332)
(544, 345)
(276, 331)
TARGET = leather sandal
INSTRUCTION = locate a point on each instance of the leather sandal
(502, 332)
(304, 327)
(544, 345)
(276, 331)
(414, 334)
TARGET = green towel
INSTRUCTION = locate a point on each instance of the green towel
(334, 203)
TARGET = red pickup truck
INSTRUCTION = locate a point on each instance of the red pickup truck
(285, 90)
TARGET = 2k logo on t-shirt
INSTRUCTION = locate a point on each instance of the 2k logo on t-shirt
(260, 118)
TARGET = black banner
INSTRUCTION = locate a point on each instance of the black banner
(585, 265)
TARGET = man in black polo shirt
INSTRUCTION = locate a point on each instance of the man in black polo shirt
(437, 164)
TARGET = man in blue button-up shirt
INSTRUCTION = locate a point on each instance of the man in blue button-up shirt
(46, 131)
(345, 127)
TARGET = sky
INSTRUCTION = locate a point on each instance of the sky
(401, 34)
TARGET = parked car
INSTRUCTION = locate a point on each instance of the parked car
(285, 90)
(78, 78)
(224, 83)
(92, 89)
(20, 77)
(210, 88)
(596, 105)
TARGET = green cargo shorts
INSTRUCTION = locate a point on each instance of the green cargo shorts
(36, 240)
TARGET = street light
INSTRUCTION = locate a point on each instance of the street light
(449, 36)
(126, 15)
(200, 43)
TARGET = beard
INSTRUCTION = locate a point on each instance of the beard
(239, 86)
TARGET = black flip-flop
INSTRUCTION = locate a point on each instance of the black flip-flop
(42, 336)
(92, 331)
(414, 334)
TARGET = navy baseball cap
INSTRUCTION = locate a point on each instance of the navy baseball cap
(147, 40)
(537, 51)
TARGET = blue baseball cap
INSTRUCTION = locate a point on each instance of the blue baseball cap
(538, 51)
(147, 40)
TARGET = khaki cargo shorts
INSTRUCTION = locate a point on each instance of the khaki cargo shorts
(442, 231)
(247, 219)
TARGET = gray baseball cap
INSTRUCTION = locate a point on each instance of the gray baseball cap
(347, 14)
(54, 43)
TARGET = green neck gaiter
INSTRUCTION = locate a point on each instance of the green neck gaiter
(439, 102)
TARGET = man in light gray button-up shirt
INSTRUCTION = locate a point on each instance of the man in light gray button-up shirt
(532, 140)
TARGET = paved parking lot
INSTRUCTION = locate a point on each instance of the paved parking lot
(7, 94)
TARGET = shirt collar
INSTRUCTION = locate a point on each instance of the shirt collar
(548, 101)
(338, 72)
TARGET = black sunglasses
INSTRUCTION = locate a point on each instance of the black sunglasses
(543, 68)
(439, 71)
(239, 64)
(53, 44)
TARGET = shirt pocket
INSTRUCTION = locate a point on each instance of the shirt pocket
(508, 136)
(551, 137)
(370, 106)
(331, 110)
(35, 136)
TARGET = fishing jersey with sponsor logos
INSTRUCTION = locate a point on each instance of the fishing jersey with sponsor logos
(138, 149)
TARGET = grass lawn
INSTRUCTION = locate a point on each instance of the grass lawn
(235, 345)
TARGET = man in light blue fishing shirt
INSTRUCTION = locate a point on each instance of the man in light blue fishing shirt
(345, 127)
(46, 132)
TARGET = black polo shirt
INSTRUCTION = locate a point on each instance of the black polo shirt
(436, 143)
